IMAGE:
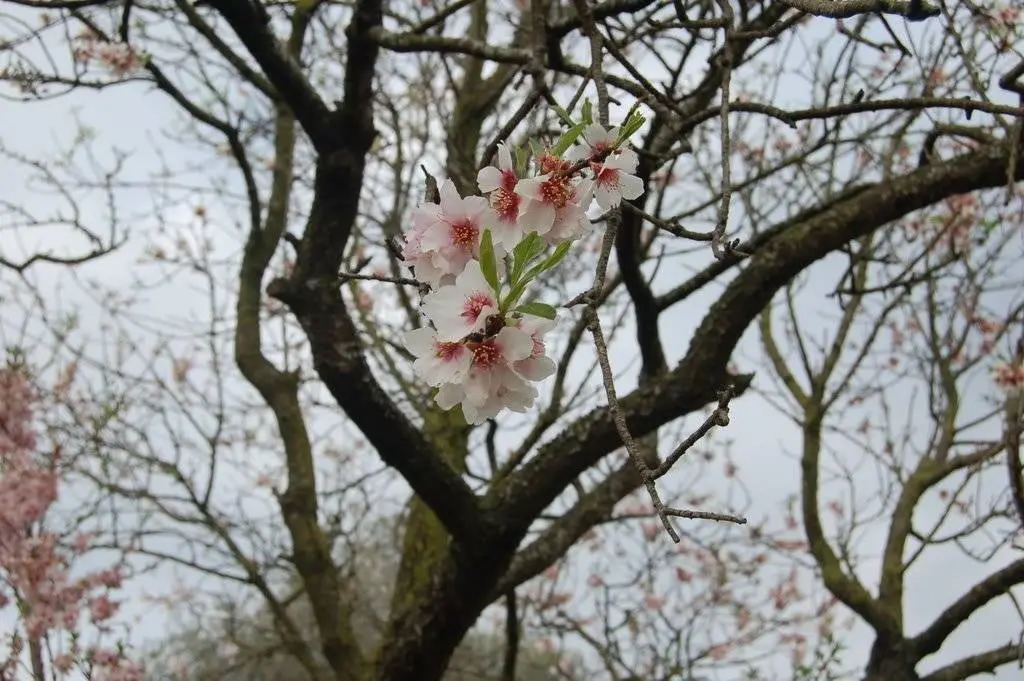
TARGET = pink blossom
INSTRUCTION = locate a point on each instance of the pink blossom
(1009, 376)
(555, 202)
(538, 365)
(464, 307)
(492, 384)
(101, 608)
(438, 362)
(33, 563)
(500, 182)
(445, 236)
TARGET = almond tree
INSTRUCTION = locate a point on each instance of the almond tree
(908, 425)
(765, 140)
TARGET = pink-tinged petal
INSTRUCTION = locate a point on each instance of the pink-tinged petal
(515, 344)
(489, 179)
(631, 185)
(425, 215)
(450, 199)
(536, 369)
(436, 236)
(606, 197)
(429, 273)
(472, 279)
(450, 364)
(474, 206)
(420, 342)
(449, 395)
(531, 187)
(538, 217)
(627, 160)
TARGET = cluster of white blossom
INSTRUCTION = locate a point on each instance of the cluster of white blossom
(484, 349)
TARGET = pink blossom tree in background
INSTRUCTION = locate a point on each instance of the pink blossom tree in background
(43, 602)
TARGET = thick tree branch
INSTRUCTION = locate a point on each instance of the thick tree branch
(993, 586)
(313, 294)
(701, 373)
(841, 9)
(982, 663)
(253, 29)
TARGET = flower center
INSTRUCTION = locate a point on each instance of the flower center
(464, 233)
(605, 176)
(486, 355)
(551, 164)
(474, 305)
(556, 192)
(508, 180)
(505, 203)
(447, 351)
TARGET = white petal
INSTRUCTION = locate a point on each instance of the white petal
(606, 198)
(420, 342)
(530, 187)
(518, 401)
(444, 307)
(449, 395)
(536, 326)
(504, 157)
(478, 387)
(595, 135)
(488, 179)
(631, 186)
(450, 199)
(536, 369)
(626, 160)
(538, 217)
(582, 194)
(472, 280)
(515, 344)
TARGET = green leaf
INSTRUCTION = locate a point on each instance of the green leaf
(634, 121)
(524, 252)
(566, 140)
(538, 310)
(556, 257)
(548, 263)
(522, 161)
(488, 265)
(587, 112)
(514, 295)
(536, 148)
